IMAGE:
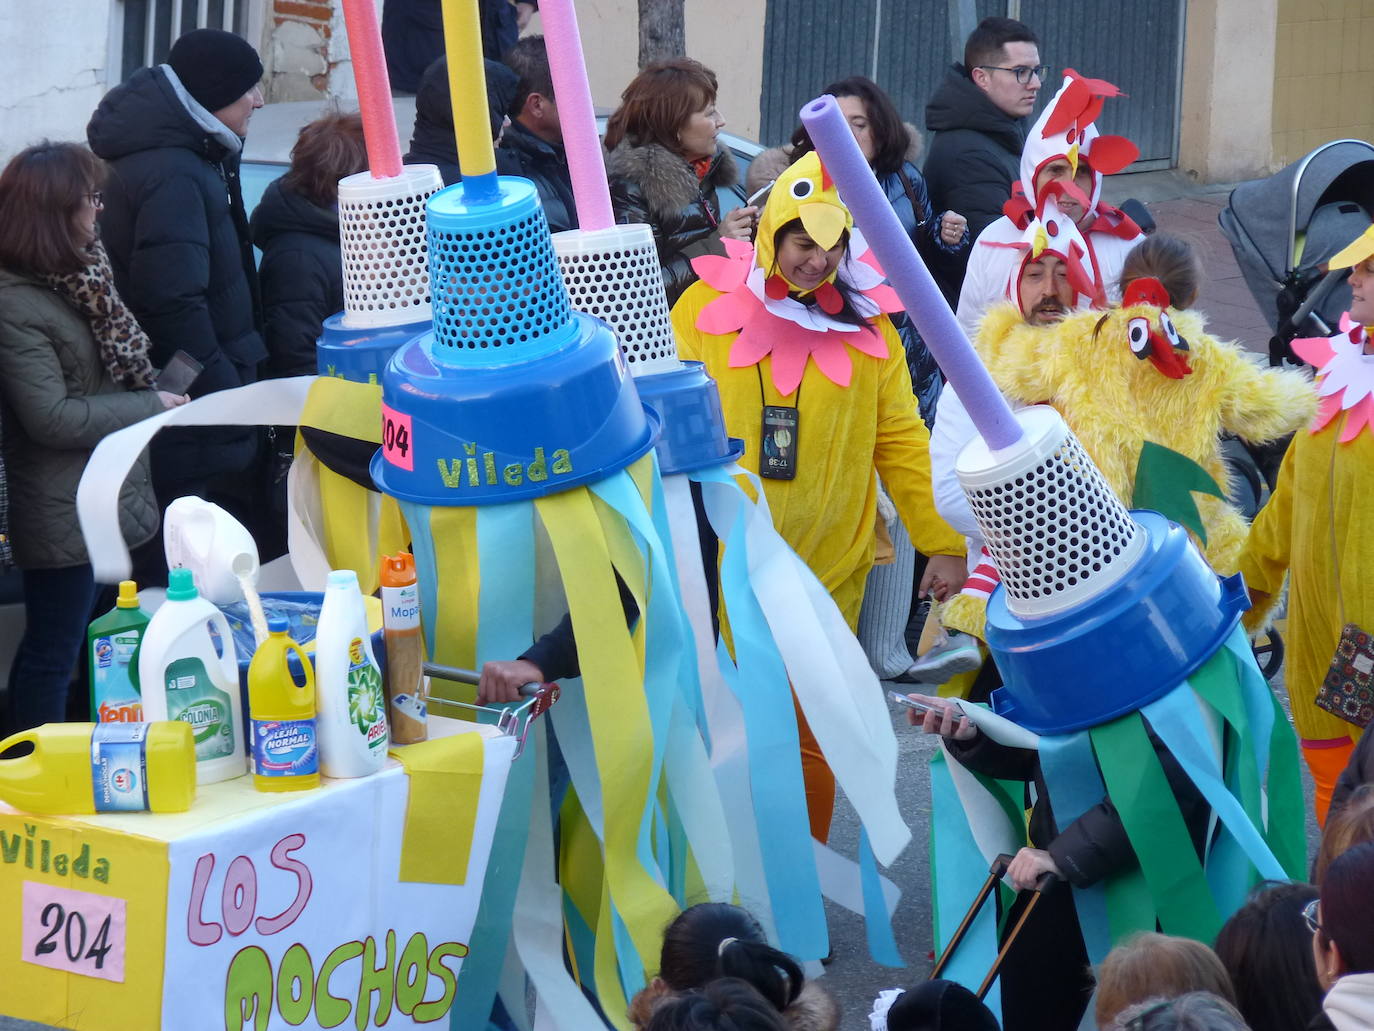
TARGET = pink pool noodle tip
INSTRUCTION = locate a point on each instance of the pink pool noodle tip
(374, 90)
(586, 161)
(873, 214)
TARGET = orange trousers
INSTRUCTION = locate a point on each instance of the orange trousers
(1326, 759)
(820, 782)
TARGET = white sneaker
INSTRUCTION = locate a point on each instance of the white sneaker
(957, 653)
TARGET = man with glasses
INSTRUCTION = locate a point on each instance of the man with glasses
(978, 118)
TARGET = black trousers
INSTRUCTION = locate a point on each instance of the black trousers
(1046, 980)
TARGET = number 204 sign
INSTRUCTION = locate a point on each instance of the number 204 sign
(73, 931)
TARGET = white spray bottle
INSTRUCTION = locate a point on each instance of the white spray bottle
(351, 726)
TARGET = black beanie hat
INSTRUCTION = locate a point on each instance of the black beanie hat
(940, 1006)
(215, 66)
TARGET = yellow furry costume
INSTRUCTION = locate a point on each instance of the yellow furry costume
(1114, 401)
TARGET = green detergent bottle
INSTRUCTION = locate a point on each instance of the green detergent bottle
(112, 642)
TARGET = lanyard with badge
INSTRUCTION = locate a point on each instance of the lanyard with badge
(778, 436)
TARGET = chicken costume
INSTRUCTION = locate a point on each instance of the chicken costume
(1115, 398)
(1316, 527)
(849, 384)
(1064, 130)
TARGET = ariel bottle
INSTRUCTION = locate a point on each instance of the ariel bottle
(351, 701)
(187, 671)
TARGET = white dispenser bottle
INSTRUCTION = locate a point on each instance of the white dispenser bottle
(182, 677)
(351, 725)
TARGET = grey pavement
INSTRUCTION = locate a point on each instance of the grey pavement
(1178, 206)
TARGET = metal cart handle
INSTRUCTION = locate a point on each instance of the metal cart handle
(513, 721)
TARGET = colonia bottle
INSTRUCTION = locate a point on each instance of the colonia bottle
(182, 677)
(286, 756)
(112, 648)
(101, 768)
(349, 694)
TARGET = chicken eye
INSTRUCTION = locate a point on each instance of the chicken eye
(801, 189)
(1170, 331)
(1138, 334)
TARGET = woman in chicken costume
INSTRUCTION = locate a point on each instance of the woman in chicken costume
(1316, 527)
(813, 377)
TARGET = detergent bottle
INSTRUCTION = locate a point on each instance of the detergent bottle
(183, 676)
(101, 768)
(405, 649)
(112, 642)
(286, 756)
(349, 693)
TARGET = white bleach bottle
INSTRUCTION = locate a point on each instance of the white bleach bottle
(184, 673)
(351, 724)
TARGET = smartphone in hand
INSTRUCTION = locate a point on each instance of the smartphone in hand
(178, 375)
(921, 708)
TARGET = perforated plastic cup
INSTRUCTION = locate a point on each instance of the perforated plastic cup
(384, 248)
(1058, 533)
(614, 274)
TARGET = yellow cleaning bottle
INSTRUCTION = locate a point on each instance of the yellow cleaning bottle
(286, 756)
(101, 768)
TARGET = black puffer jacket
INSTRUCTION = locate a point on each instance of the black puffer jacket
(652, 184)
(974, 156)
(178, 240)
(413, 36)
(544, 164)
(302, 278)
(1094, 846)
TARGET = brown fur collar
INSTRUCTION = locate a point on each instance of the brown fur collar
(668, 182)
(814, 1010)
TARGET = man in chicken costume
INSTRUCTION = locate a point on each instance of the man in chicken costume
(1142, 373)
(1064, 150)
(1316, 528)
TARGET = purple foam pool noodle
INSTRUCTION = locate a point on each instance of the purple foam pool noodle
(873, 214)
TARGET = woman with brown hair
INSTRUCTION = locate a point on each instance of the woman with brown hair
(665, 167)
(296, 226)
(73, 368)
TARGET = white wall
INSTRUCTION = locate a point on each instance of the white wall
(56, 57)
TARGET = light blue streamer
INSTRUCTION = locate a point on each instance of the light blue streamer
(1074, 785)
(776, 779)
(1258, 698)
(479, 976)
(632, 977)
(505, 602)
(882, 945)
(422, 544)
(958, 870)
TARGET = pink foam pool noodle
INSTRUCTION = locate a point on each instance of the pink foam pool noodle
(873, 214)
(374, 91)
(586, 161)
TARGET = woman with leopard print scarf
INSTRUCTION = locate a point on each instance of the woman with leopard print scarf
(73, 368)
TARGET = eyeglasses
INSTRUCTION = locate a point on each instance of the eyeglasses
(96, 198)
(1309, 916)
(1022, 72)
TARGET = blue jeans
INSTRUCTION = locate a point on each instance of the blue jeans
(57, 610)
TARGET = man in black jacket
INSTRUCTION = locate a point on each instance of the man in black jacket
(178, 240)
(978, 118)
(533, 145)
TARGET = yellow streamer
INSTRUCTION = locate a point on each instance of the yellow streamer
(617, 710)
(441, 809)
(454, 532)
(467, 86)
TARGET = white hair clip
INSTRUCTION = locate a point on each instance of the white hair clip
(720, 949)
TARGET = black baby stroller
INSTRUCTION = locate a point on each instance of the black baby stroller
(1284, 228)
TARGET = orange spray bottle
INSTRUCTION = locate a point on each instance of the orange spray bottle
(405, 649)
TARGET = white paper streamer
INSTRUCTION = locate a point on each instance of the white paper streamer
(272, 402)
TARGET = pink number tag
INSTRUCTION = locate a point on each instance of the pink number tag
(398, 447)
(73, 931)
